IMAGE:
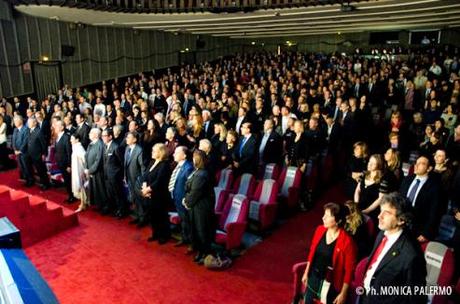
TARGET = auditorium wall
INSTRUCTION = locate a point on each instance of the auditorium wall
(100, 52)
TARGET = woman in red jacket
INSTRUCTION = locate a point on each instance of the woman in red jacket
(332, 259)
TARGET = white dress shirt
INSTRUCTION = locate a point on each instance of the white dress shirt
(391, 239)
(423, 180)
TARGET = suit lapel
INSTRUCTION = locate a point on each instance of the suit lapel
(393, 253)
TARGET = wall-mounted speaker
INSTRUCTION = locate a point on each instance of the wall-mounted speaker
(67, 50)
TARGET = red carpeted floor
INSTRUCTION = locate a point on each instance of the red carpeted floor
(108, 261)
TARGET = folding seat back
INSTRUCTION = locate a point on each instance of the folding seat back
(245, 185)
(236, 211)
(271, 171)
(290, 178)
(221, 196)
(439, 266)
(370, 227)
(225, 179)
(266, 193)
(447, 228)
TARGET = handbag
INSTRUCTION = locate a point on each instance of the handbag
(217, 262)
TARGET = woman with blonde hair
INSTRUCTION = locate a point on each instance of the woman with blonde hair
(355, 225)
(156, 194)
(367, 190)
(356, 166)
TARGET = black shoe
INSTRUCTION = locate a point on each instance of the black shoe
(198, 257)
(141, 224)
(105, 211)
(120, 215)
(162, 241)
(44, 187)
(135, 221)
(179, 243)
(70, 200)
(29, 184)
(152, 238)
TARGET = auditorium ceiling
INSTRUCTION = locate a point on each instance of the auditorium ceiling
(265, 23)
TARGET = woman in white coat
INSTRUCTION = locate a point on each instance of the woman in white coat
(79, 179)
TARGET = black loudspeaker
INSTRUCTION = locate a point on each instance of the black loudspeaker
(67, 50)
(200, 44)
(10, 236)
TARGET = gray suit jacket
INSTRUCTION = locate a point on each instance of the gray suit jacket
(134, 165)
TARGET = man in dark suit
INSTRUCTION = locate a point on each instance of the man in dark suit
(37, 150)
(113, 175)
(133, 168)
(82, 130)
(271, 145)
(44, 125)
(208, 124)
(19, 143)
(176, 187)
(95, 170)
(422, 192)
(63, 153)
(396, 259)
(245, 155)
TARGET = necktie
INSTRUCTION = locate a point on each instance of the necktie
(172, 181)
(242, 144)
(128, 155)
(376, 254)
(413, 191)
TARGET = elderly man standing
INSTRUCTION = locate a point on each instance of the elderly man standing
(37, 150)
(19, 142)
(176, 187)
(95, 170)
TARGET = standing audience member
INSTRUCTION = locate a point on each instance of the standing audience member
(63, 157)
(94, 170)
(396, 259)
(37, 149)
(19, 145)
(332, 258)
(134, 168)
(113, 176)
(3, 144)
(79, 179)
(155, 190)
(177, 189)
(422, 192)
(245, 155)
(199, 202)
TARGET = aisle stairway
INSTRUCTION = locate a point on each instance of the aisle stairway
(36, 217)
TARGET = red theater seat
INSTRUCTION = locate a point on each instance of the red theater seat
(263, 206)
(289, 181)
(245, 185)
(271, 171)
(233, 221)
(224, 179)
(440, 268)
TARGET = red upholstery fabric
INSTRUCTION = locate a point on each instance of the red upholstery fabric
(447, 264)
(263, 206)
(289, 186)
(271, 171)
(221, 197)
(233, 221)
(245, 184)
(225, 179)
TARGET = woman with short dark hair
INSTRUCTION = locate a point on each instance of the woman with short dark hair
(332, 258)
(200, 203)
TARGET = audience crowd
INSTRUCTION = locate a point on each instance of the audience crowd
(150, 144)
